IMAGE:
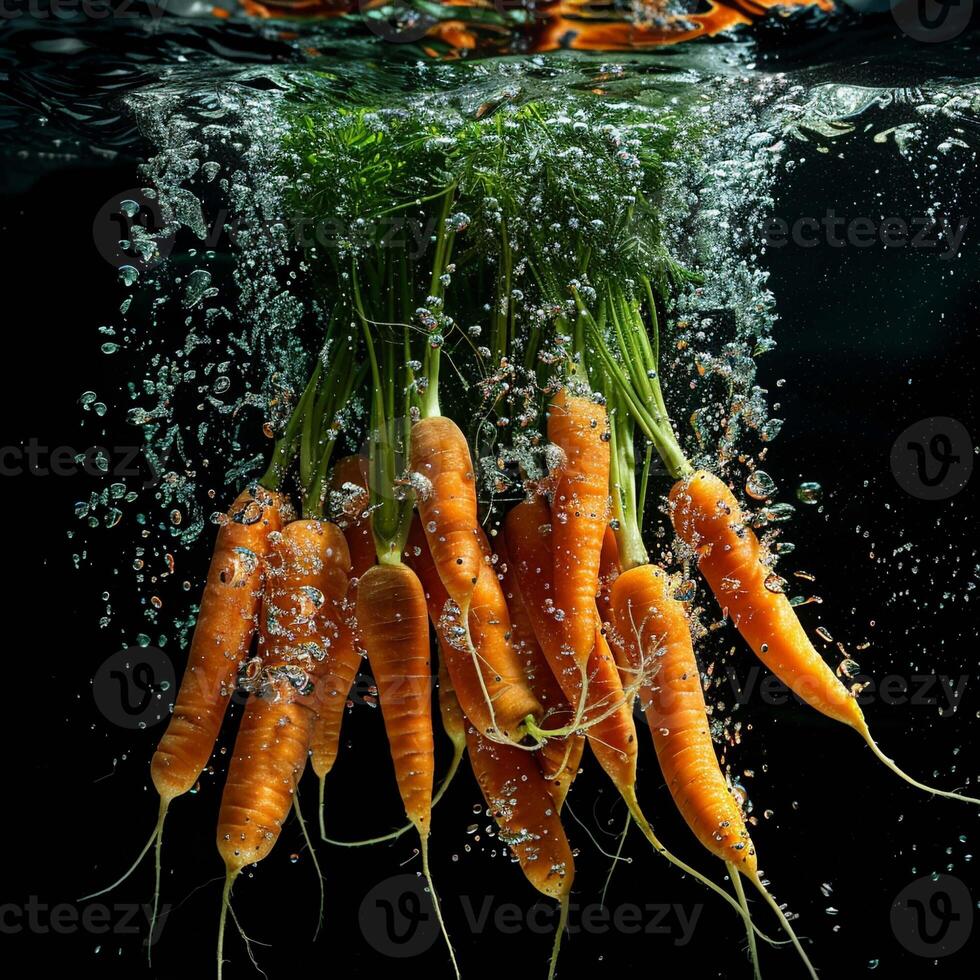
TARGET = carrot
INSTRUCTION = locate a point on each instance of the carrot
(656, 635)
(223, 634)
(559, 758)
(609, 571)
(446, 500)
(577, 426)
(607, 717)
(393, 620)
(306, 582)
(707, 517)
(493, 691)
(343, 657)
(520, 801)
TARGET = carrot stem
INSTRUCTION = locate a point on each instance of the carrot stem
(286, 446)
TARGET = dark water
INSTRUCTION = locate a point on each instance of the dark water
(868, 341)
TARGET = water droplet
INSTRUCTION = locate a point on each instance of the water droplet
(128, 275)
(809, 493)
(760, 485)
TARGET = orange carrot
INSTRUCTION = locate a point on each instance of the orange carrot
(222, 636)
(520, 801)
(707, 516)
(559, 758)
(307, 578)
(493, 693)
(578, 426)
(343, 657)
(609, 570)
(226, 624)
(607, 716)
(446, 500)
(657, 639)
(394, 625)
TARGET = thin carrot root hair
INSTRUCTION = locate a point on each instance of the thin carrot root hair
(225, 908)
(563, 903)
(316, 863)
(401, 831)
(783, 921)
(749, 932)
(156, 842)
(424, 851)
(617, 857)
(577, 726)
(902, 774)
(641, 821)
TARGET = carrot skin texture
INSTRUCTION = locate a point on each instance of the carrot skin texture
(490, 630)
(394, 625)
(520, 801)
(558, 759)
(223, 634)
(448, 511)
(344, 656)
(305, 588)
(612, 740)
(578, 426)
(707, 517)
(657, 640)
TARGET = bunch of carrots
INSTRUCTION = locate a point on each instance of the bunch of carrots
(539, 637)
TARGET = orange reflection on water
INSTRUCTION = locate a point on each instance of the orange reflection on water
(593, 25)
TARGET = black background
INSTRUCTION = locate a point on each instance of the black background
(870, 341)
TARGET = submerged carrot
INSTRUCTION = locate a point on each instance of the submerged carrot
(488, 679)
(394, 624)
(606, 717)
(225, 626)
(657, 639)
(578, 426)
(306, 583)
(343, 657)
(559, 758)
(707, 516)
(520, 801)
(446, 500)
